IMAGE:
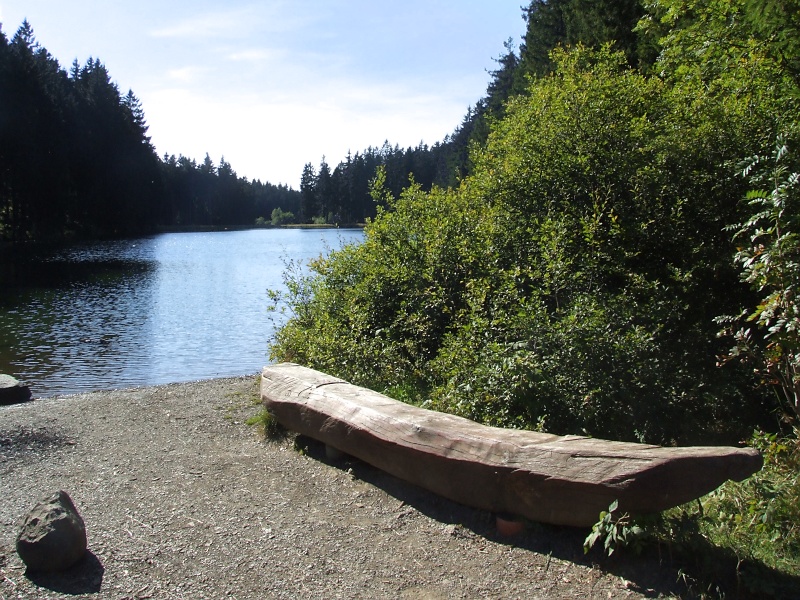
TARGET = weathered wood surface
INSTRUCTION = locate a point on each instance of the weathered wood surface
(565, 480)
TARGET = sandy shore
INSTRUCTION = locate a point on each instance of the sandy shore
(182, 499)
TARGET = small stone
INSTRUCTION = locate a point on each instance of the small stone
(53, 535)
(12, 391)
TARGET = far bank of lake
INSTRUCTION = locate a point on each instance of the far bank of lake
(166, 308)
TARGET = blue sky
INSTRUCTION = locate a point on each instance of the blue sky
(272, 85)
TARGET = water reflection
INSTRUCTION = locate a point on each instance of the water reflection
(173, 307)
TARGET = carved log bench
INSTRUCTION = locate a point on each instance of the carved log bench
(564, 480)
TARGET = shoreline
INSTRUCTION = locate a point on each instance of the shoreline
(10, 250)
(182, 499)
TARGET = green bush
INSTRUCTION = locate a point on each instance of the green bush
(281, 217)
(572, 280)
(768, 337)
(376, 313)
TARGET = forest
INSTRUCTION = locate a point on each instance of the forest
(617, 256)
(76, 161)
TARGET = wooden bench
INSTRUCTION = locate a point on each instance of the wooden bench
(564, 480)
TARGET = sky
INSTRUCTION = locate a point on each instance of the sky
(272, 85)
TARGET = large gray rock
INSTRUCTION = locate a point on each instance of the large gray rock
(12, 391)
(53, 535)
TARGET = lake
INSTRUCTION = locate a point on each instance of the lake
(167, 308)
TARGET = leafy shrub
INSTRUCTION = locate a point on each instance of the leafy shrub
(615, 530)
(281, 217)
(769, 337)
(376, 313)
(572, 280)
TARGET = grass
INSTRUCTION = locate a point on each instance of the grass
(267, 424)
(759, 519)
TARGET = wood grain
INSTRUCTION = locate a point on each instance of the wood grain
(564, 480)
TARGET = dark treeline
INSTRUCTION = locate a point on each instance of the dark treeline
(76, 161)
(342, 193)
(205, 195)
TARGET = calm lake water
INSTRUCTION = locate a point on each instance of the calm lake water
(167, 308)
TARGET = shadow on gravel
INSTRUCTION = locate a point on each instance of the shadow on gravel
(654, 573)
(22, 442)
(86, 577)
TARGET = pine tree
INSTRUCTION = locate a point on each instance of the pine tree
(308, 184)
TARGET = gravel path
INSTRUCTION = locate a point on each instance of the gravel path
(182, 499)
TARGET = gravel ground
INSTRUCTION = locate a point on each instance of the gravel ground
(182, 499)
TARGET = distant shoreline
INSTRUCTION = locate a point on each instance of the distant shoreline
(215, 229)
(7, 246)
(323, 226)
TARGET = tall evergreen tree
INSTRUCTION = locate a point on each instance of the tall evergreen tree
(308, 191)
(325, 193)
(33, 136)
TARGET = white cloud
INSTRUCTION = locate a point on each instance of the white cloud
(210, 25)
(275, 16)
(256, 55)
(186, 75)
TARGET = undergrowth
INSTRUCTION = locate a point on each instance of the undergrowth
(759, 518)
(741, 540)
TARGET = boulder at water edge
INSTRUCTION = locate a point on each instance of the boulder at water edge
(53, 535)
(12, 391)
